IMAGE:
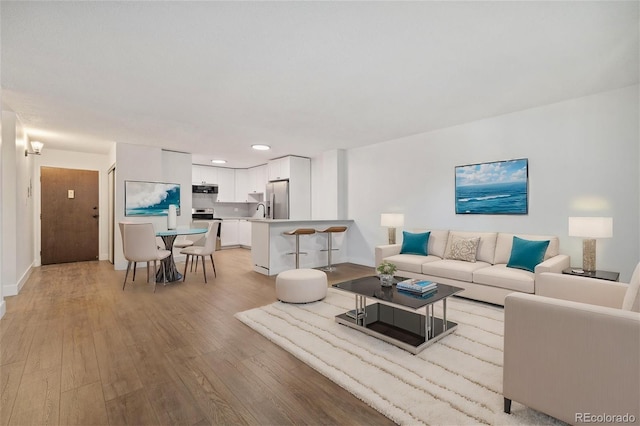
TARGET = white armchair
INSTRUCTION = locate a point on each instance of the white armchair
(573, 349)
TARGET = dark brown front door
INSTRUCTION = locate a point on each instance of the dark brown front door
(69, 215)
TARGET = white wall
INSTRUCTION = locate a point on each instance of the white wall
(17, 207)
(583, 161)
(152, 164)
(328, 180)
(77, 161)
(3, 304)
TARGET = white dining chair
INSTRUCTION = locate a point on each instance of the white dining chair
(207, 247)
(139, 245)
(184, 241)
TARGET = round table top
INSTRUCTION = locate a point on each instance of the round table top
(187, 231)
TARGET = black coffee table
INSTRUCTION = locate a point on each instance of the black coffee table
(395, 319)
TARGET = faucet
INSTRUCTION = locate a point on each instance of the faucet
(264, 209)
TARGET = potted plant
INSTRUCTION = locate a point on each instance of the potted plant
(386, 271)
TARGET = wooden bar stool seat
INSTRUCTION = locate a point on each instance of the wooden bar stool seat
(330, 231)
(297, 233)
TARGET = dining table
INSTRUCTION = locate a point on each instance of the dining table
(169, 264)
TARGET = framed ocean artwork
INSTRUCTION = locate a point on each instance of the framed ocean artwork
(150, 198)
(499, 187)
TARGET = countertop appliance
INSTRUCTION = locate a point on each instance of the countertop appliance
(278, 199)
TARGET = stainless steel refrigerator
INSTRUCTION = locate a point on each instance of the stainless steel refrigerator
(278, 199)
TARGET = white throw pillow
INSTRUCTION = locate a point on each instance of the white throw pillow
(631, 300)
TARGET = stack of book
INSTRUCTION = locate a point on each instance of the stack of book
(417, 286)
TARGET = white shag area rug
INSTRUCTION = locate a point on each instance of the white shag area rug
(455, 381)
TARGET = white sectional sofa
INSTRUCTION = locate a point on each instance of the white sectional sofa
(487, 279)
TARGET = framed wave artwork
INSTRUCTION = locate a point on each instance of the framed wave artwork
(499, 187)
(150, 198)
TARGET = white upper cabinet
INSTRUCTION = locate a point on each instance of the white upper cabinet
(204, 175)
(279, 168)
(226, 185)
(242, 185)
(258, 179)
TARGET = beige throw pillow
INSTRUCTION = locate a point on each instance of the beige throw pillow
(463, 249)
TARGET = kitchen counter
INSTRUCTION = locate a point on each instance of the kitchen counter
(294, 221)
(270, 248)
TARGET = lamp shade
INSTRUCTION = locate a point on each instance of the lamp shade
(591, 227)
(37, 146)
(392, 220)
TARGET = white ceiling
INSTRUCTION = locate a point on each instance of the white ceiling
(212, 78)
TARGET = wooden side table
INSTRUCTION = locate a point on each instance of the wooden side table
(603, 275)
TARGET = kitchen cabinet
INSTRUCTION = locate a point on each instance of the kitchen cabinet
(298, 172)
(251, 184)
(242, 186)
(204, 174)
(244, 233)
(258, 179)
(229, 233)
(226, 185)
(279, 168)
(260, 247)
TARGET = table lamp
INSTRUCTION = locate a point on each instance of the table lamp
(392, 221)
(590, 228)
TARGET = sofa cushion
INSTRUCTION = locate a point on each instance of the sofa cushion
(503, 277)
(486, 246)
(631, 301)
(463, 249)
(410, 262)
(526, 254)
(453, 269)
(505, 241)
(437, 241)
(414, 243)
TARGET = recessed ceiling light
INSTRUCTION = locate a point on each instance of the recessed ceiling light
(261, 147)
(218, 161)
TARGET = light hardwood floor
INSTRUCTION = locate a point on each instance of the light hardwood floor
(76, 349)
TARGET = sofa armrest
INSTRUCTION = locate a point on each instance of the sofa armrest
(581, 289)
(386, 251)
(564, 358)
(555, 264)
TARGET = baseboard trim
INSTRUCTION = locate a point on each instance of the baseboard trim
(14, 289)
(3, 308)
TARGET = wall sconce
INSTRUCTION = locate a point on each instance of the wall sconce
(392, 220)
(36, 147)
(590, 228)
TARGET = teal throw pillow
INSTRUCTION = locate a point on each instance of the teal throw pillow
(414, 243)
(526, 254)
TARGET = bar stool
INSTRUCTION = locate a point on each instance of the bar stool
(330, 231)
(297, 233)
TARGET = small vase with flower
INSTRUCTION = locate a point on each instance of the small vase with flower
(386, 271)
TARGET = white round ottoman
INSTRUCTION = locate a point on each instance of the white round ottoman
(301, 286)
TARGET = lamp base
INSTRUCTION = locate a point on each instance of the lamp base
(392, 235)
(589, 255)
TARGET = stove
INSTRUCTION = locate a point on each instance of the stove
(202, 214)
(205, 214)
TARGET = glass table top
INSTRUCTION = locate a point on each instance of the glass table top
(188, 231)
(370, 287)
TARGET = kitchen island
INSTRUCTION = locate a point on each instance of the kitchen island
(269, 246)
